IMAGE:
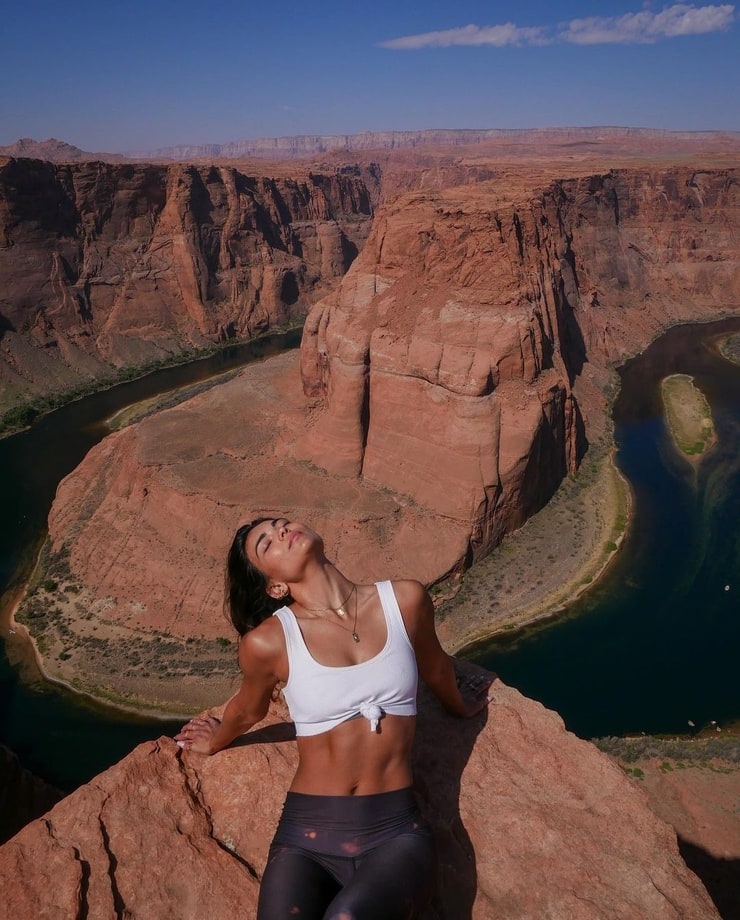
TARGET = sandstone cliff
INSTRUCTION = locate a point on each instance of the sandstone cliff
(447, 360)
(105, 266)
(452, 382)
(530, 822)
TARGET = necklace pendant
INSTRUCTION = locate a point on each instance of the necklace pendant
(355, 637)
(341, 612)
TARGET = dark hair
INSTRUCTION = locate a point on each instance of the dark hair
(246, 599)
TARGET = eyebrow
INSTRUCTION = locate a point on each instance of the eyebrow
(273, 522)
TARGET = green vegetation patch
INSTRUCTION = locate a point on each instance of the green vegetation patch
(730, 348)
(674, 753)
(688, 415)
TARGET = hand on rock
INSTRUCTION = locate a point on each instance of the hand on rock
(474, 690)
(197, 735)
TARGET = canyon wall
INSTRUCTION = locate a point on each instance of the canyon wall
(450, 359)
(528, 820)
(105, 266)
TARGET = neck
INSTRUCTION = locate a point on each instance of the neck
(323, 588)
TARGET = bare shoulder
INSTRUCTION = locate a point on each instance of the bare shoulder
(415, 603)
(263, 646)
(410, 593)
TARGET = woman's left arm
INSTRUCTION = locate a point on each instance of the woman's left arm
(463, 697)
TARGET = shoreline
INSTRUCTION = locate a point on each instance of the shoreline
(597, 532)
(63, 398)
(30, 658)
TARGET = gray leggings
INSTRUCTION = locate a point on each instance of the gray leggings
(348, 857)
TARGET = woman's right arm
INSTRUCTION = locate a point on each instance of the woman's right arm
(259, 654)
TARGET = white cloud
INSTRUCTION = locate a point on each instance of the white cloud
(648, 27)
(633, 28)
(497, 36)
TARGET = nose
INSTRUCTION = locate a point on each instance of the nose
(282, 529)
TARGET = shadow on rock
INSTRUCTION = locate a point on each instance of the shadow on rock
(442, 749)
(721, 877)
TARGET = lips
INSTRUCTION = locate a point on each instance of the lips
(293, 537)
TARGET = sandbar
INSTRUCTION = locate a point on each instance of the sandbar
(540, 569)
(688, 416)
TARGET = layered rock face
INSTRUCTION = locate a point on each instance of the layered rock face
(528, 820)
(104, 266)
(448, 357)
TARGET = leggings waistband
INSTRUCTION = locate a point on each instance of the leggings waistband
(347, 825)
(351, 810)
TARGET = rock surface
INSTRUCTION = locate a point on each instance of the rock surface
(450, 357)
(106, 266)
(563, 833)
(148, 516)
(702, 803)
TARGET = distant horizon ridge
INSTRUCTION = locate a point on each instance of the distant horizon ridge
(297, 145)
(345, 140)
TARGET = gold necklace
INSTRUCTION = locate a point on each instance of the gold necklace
(340, 612)
(355, 634)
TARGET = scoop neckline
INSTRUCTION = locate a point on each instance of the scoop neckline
(345, 667)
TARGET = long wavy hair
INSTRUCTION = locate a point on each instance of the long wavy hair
(246, 599)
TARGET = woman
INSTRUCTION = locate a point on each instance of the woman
(350, 841)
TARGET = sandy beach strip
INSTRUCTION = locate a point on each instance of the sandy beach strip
(539, 570)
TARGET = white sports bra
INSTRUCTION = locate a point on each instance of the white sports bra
(321, 697)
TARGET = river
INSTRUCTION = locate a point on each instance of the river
(652, 647)
(60, 736)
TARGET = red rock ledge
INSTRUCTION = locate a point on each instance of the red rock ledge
(530, 821)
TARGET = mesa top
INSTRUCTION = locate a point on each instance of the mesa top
(320, 697)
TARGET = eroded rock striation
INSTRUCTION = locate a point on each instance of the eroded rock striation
(449, 359)
(529, 822)
(104, 266)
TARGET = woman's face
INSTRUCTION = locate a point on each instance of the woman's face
(280, 549)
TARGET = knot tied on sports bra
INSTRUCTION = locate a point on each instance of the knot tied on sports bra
(373, 714)
(321, 697)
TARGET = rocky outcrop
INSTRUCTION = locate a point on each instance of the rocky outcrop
(107, 266)
(529, 822)
(448, 358)
(56, 151)
(149, 514)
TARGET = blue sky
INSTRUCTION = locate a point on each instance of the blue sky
(119, 77)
